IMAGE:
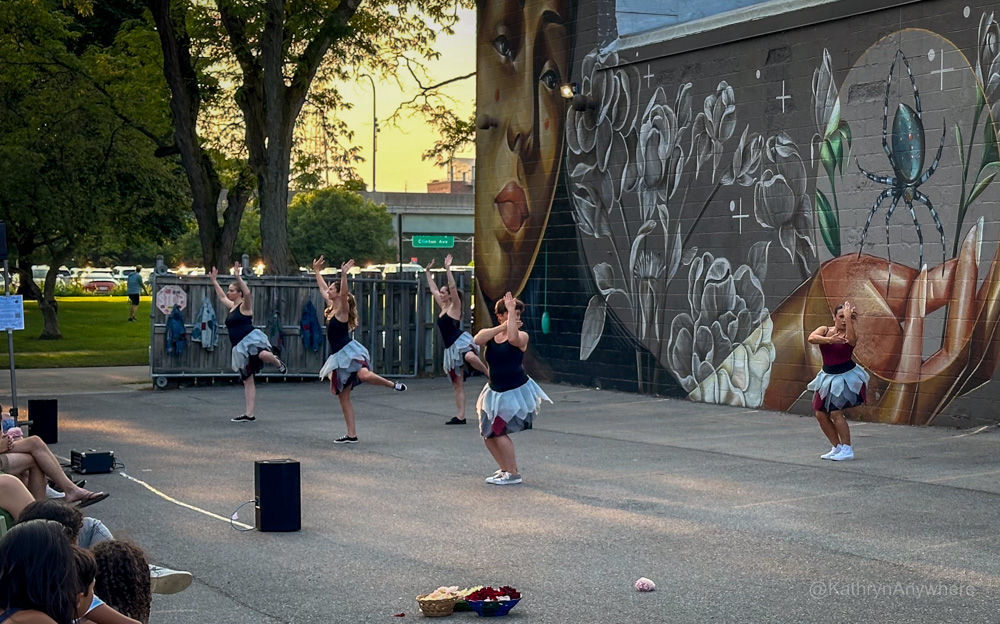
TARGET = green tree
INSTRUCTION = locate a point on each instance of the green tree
(281, 56)
(339, 224)
(73, 173)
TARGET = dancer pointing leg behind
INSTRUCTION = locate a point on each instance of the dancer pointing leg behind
(459, 348)
(511, 399)
(349, 363)
(250, 346)
(841, 383)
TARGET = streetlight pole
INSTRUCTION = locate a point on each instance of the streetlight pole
(374, 129)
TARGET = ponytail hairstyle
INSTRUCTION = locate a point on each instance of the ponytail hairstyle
(352, 309)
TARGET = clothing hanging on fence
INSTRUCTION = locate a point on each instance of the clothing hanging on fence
(206, 328)
(274, 331)
(175, 334)
(309, 328)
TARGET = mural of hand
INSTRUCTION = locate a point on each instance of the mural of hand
(893, 302)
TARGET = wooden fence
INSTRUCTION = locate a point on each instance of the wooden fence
(397, 323)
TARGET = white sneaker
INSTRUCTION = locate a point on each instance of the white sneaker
(167, 581)
(493, 477)
(846, 452)
(50, 493)
(833, 451)
(507, 478)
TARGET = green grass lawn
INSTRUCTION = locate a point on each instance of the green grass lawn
(95, 330)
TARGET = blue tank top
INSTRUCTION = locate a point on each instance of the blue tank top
(506, 371)
(337, 334)
(9, 612)
(239, 325)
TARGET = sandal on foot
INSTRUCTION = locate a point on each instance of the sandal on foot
(282, 368)
(399, 386)
(91, 499)
(455, 420)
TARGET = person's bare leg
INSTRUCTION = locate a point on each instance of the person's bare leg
(270, 358)
(14, 497)
(842, 429)
(250, 393)
(458, 385)
(23, 467)
(491, 446)
(366, 376)
(49, 465)
(476, 362)
(348, 408)
(505, 448)
(827, 426)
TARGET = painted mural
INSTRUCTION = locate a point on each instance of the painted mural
(685, 223)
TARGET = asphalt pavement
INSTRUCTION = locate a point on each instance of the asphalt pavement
(729, 511)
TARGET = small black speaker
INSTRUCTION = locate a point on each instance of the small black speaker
(44, 416)
(278, 501)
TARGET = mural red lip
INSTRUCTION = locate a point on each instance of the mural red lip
(512, 204)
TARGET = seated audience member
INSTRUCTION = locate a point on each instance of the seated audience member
(14, 497)
(32, 458)
(123, 578)
(39, 582)
(87, 532)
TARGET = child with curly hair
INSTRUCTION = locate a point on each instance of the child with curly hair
(123, 578)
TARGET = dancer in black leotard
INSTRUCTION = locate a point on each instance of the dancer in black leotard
(459, 349)
(251, 347)
(349, 363)
(511, 399)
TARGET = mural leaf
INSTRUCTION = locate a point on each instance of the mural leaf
(837, 144)
(604, 275)
(828, 158)
(991, 154)
(961, 148)
(845, 129)
(834, 122)
(976, 192)
(593, 326)
(829, 227)
(689, 255)
(757, 258)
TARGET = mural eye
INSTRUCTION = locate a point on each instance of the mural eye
(503, 47)
(550, 79)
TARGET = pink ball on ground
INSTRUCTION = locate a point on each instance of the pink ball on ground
(645, 585)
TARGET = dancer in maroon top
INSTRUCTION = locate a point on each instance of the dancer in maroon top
(841, 384)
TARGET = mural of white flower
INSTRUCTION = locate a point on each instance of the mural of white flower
(660, 158)
(988, 60)
(781, 201)
(746, 160)
(713, 127)
(744, 376)
(726, 306)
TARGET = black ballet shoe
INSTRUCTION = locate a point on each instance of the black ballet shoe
(456, 421)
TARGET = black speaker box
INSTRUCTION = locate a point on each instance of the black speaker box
(44, 416)
(277, 493)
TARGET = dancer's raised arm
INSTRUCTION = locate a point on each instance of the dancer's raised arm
(452, 287)
(247, 306)
(213, 276)
(324, 288)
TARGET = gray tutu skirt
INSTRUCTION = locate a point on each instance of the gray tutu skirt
(342, 367)
(502, 413)
(246, 355)
(454, 356)
(835, 392)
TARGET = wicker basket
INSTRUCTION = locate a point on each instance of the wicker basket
(436, 608)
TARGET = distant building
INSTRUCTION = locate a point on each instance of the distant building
(461, 178)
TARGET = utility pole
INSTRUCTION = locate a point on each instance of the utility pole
(374, 129)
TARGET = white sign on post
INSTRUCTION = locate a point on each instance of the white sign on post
(169, 296)
(11, 312)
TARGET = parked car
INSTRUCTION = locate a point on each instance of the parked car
(409, 269)
(99, 281)
(121, 272)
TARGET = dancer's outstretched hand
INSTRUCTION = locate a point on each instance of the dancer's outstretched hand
(430, 264)
(318, 264)
(213, 275)
(447, 261)
(347, 265)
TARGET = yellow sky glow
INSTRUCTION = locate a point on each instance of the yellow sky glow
(399, 166)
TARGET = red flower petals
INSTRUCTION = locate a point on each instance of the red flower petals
(488, 593)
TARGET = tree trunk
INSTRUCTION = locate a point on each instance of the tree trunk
(273, 185)
(185, 104)
(47, 301)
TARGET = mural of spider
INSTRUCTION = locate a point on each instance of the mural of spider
(907, 160)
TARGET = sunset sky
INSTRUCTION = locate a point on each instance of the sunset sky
(398, 164)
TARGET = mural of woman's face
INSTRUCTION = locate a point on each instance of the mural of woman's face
(523, 53)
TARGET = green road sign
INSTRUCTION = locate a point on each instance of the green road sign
(435, 242)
